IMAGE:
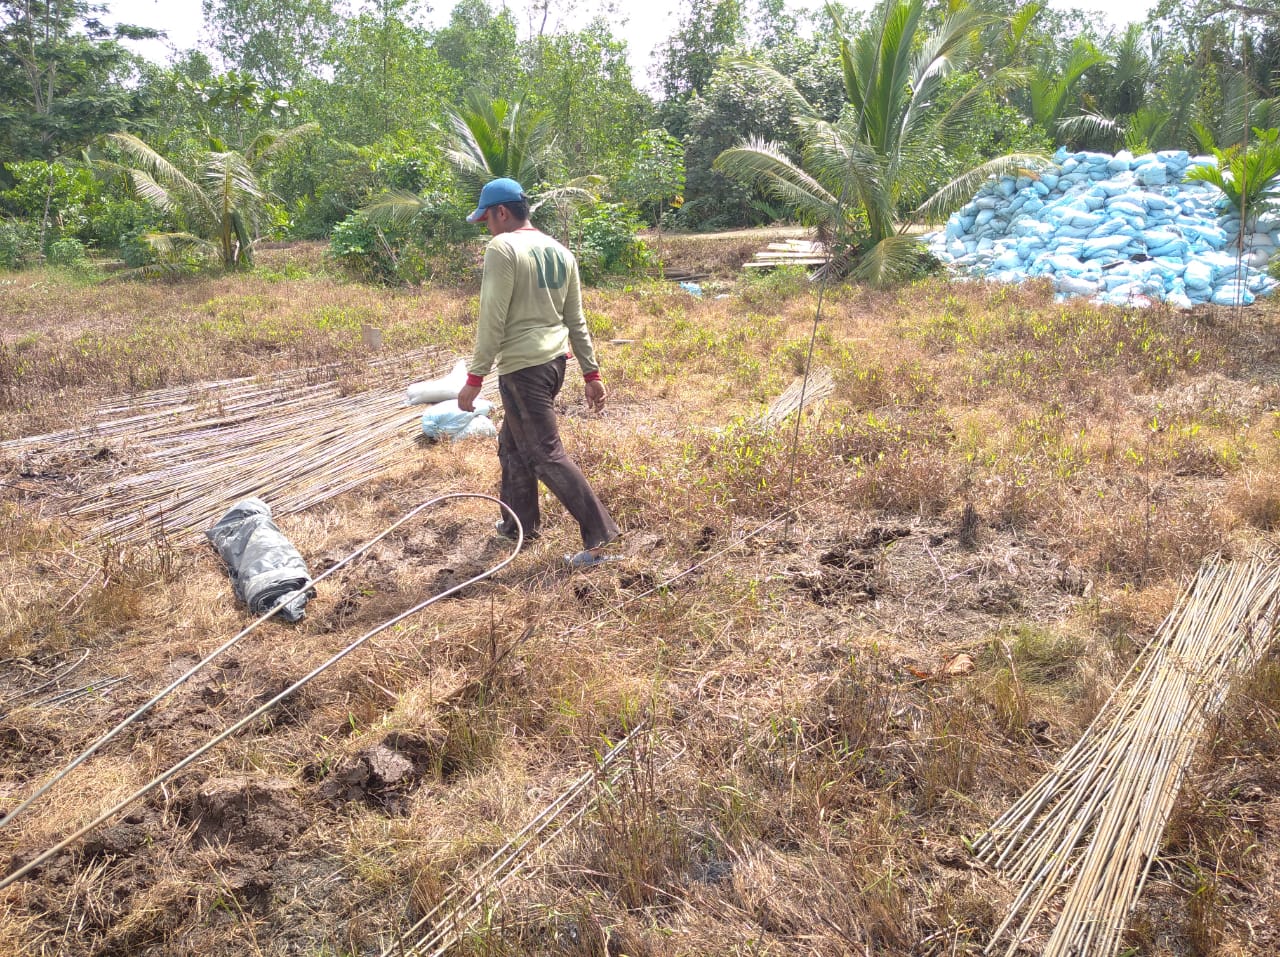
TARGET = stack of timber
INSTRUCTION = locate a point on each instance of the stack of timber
(675, 274)
(789, 252)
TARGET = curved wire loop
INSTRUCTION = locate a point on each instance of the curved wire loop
(267, 706)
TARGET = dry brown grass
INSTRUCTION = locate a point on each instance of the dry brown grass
(996, 476)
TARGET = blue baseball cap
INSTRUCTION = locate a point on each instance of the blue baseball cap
(497, 191)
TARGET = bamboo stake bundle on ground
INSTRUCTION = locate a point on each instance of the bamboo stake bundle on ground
(292, 441)
(176, 410)
(799, 396)
(1090, 828)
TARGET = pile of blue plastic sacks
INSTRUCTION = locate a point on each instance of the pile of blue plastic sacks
(1120, 229)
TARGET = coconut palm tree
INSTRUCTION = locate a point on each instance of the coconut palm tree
(483, 139)
(858, 175)
(220, 202)
(486, 138)
(1249, 177)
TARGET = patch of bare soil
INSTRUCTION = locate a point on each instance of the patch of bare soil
(250, 812)
(383, 776)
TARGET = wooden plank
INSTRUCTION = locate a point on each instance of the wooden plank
(786, 262)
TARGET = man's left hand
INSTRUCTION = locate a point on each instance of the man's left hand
(595, 395)
(467, 397)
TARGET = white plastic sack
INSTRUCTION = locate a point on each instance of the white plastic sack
(481, 427)
(445, 420)
(438, 390)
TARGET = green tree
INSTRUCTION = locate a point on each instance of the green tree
(64, 77)
(387, 78)
(480, 47)
(687, 61)
(857, 174)
(656, 177)
(582, 82)
(219, 205)
(738, 105)
(279, 42)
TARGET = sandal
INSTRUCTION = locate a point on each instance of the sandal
(589, 558)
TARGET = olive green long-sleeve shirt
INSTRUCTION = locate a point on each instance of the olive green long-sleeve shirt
(530, 306)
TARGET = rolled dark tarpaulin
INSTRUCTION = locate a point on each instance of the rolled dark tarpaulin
(263, 564)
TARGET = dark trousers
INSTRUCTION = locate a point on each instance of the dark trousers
(529, 449)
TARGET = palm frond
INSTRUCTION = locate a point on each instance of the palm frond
(1091, 128)
(159, 169)
(266, 146)
(148, 190)
(484, 138)
(891, 260)
(767, 166)
(230, 183)
(961, 189)
(174, 244)
(857, 174)
(773, 81)
(1019, 28)
(173, 252)
(395, 207)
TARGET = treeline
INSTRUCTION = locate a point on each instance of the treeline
(373, 131)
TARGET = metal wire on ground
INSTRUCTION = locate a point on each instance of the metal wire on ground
(1090, 828)
(58, 676)
(264, 708)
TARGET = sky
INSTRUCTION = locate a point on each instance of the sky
(645, 24)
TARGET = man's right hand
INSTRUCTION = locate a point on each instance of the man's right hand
(467, 397)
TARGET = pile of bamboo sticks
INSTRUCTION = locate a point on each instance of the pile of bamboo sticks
(293, 440)
(1091, 827)
(799, 396)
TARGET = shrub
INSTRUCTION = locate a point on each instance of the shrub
(433, 244)
(134, 248)
(19, 243)
(608, 243)
(67, 251)
(55, 193)
(761, 287)
(113, 223)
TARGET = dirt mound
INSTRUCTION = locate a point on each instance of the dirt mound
(382, 776)
(254, 813)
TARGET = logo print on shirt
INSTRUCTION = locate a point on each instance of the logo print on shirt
(551, 267)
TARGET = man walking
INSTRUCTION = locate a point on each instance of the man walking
(530, 313)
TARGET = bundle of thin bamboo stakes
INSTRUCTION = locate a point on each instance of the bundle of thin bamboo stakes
(294, 440)
(799, 396)
(1090, 828)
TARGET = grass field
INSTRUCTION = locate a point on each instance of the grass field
(997, 481)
